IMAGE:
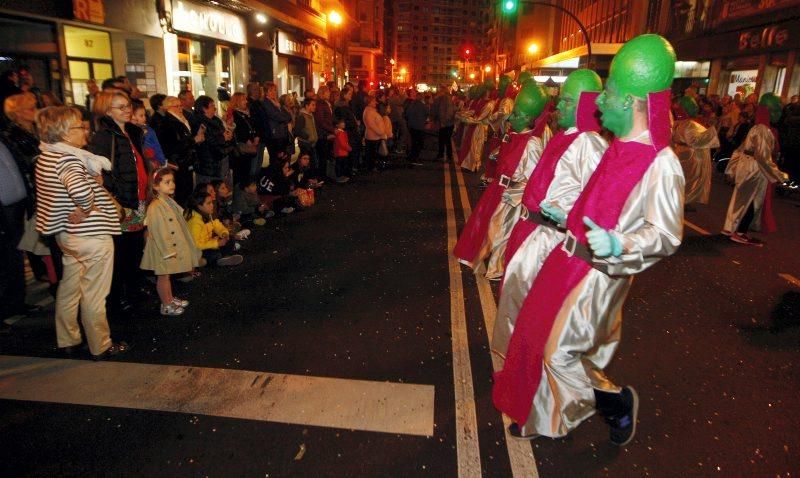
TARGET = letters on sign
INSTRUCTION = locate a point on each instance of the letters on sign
(765, 38)
(202, 20)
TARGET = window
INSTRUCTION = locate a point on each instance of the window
(356, 61)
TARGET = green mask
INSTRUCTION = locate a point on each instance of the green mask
(773, 104)
(523, 77)
(528, 105)
(577, 82)
(616, 109)
(505, 81)
(689, 105)
(645, 64)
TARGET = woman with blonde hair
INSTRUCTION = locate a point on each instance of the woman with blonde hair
(72, 206)
(247, 140)
(752, 168)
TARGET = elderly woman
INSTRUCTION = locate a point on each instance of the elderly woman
(212, 154)
(278, 120)
(119, 140)
(247, 139)
(178, 143)
(81, 214)
(23, 143)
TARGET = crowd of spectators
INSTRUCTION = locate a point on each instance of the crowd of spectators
(104, 197)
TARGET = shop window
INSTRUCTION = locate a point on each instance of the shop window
(356, 61)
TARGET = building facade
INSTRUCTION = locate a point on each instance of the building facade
(367, 39)
(432, 37)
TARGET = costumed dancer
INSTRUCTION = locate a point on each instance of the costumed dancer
(462, 115)
(752, 169)
(497, 130)
(628, 217)
(692, 143)
(471, 160)
(490, 223)
(567, 163)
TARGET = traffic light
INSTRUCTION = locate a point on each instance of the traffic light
(510, 6)
(467, 51)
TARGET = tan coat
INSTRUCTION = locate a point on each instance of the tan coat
(169, 248)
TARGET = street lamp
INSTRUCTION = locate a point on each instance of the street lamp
(510, 7)
(335, 18)
(533, 48)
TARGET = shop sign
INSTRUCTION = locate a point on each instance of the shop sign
(735, 9)
(289, 45)
(92, 11)
(743, 82)
(209, 22)
(769, 37)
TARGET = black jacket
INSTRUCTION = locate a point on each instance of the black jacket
(24, 147)
(258, 115)
(212, 151)
(109, 141)
(278, 120)
(177, 142)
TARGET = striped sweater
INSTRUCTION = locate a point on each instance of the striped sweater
(62, 184)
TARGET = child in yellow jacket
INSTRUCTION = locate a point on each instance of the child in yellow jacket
(209, 234)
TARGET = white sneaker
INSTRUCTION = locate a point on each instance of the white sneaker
(237, 246)
(180, 302)
(287, 210)
(243, 234)
(171, 310)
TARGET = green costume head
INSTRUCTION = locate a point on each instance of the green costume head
(577, 82)
(689, 105)
(505, 81)
(523, 77)
(528, 105)
(645, 64)
(773, 104)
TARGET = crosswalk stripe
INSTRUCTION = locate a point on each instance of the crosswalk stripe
(468, 447)
(790, 278)
(520, 453)
(397, 408)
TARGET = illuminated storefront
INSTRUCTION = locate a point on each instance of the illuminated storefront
(207, 49)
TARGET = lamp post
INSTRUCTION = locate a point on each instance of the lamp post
(335, 18)
(510, 7)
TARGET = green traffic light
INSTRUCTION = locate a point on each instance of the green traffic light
(509, 5)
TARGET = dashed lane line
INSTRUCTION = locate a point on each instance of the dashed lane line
(696, 228)
(467, 445)
(397, 408)
(790, 278)
(520, 453)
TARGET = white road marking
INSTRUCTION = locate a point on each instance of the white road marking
(468, 447)
(385, 407)
(696, 228)
(520, 453)
(790, 278)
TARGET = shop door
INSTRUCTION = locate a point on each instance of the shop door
(82, 70)
(32, 45)
(298, 69)
(225, 67)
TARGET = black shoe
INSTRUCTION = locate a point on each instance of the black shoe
(515, 432)
(72, 350)
(113, 351)
(623, 425)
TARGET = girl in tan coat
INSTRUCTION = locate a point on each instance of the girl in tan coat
(169, 248)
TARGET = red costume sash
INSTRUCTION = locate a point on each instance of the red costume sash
(768, 223)
(466, 142)
(620, 169)
(542, 175)
(472, 237)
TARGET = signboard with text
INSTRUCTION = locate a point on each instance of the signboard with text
(208, 22)
(290, 45)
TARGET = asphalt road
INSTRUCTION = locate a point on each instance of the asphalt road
(357, 288)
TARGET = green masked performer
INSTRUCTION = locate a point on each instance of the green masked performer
(488, 227)
(567, 163)
(628, 217)
(471, 160)
(502, 110)
(692, 143)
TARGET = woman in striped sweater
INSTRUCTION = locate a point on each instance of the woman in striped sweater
(74, 207)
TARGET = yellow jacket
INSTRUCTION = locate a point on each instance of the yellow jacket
(203, 232)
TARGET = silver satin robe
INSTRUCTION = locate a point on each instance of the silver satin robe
(751, 176)
(692, 143)
(508, 211)
(473, 160)
(587, 329)
(572, 172)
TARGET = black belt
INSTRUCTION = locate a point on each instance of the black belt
(571, 245)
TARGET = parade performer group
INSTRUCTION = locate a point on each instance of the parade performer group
(588, 218)
(692, 143)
